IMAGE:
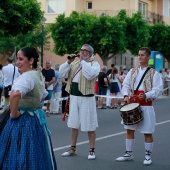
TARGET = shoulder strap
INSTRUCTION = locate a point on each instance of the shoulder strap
(141, 80)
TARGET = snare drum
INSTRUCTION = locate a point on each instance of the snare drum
(131, 113)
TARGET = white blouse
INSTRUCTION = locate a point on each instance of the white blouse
(116, 76)
(25, 83)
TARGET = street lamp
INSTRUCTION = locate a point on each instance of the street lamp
(42, 39)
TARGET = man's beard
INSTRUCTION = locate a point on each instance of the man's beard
(86, 58)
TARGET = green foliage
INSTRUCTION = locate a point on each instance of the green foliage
(137, 33)
(160, 39)
(122, 15)
(108, 36)
(69, 33)
(19, 16)
(105, 34)
(32, 38)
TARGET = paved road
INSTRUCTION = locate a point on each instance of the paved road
(111, 142)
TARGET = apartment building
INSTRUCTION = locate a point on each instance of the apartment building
(153, 11)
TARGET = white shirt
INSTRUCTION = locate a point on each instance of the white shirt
(156, 89)
(116, 76)
(1, 79)
(167, 77)
(8, 72)
(24, 84)
(88, 70)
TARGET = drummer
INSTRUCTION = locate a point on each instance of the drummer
(150, 88)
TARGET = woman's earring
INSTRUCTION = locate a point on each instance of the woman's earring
(30, 66)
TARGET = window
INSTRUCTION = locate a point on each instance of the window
(55, 6)
(143, 8)
(166, 8)
(89, 5)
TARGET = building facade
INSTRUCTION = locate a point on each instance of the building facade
(153, 11)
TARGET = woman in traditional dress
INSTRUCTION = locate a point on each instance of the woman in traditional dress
(25, 139)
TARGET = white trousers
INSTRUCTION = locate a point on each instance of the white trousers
(147, 125)
(82, 113)
(54, 106)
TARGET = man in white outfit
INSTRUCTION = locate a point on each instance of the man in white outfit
(150, 88)
(54, 106)
(81, 75)
(10, 74)
(167, 81)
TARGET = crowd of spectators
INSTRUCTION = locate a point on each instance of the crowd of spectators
(108, 83)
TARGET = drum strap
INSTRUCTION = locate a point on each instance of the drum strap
(141, 80)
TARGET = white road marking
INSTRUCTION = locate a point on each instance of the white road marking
(104, 137)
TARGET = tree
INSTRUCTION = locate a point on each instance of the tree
(19, 16)
(105, 34)
(69, 33)
(108, 35)
(32, 38)
(159, 39)
(137, 31)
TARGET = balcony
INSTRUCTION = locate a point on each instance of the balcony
(150, 17)
(153, 18)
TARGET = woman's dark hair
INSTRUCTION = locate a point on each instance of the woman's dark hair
(114, 71)
(121, 72)
(31, 52)
(1, 66)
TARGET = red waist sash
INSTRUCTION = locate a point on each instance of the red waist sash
(141, 102)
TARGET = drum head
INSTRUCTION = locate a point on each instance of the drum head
(129, 106)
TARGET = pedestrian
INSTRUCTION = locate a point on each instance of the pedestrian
(54, 106)
(108, 99)
(144, 93)
(49, 76)
(10, 72)
(110, 70)
(167, 81)
(161, 72)
(64, 93)
(96, 89)
(82, 74)
(121, 79)
(25, 139)
(1, 84)
(114, 87)
(102, 86)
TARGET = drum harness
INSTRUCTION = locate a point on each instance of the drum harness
(141, 80)
(134, 116)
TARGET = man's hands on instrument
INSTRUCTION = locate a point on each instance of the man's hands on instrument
(71, 58)
(142, 96)
(126, 99)
(70, 61)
